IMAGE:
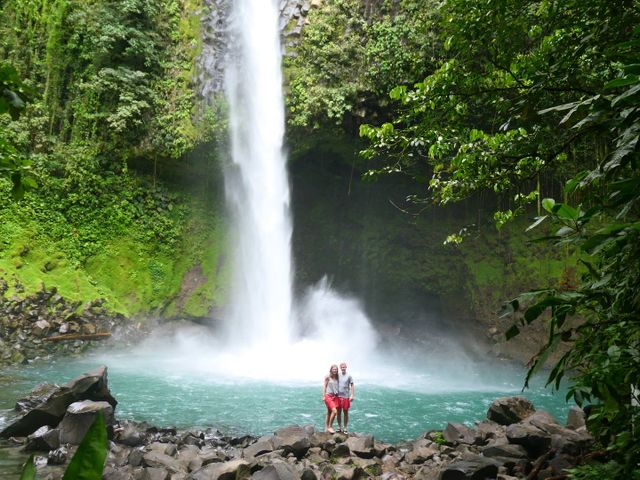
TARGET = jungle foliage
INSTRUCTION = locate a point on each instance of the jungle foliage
(351, 53)
(541, 99)
(109, 96)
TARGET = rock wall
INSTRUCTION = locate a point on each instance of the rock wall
(215, 40)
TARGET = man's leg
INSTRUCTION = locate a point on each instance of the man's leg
(346, 420)
(339, 419)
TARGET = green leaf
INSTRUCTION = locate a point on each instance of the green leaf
(621, 82)
(564, 211)
(29, 469)
(573, 183)
(626, 95)
(548, 203)
(88, 461)
(398, 93)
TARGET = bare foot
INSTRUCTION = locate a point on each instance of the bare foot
(331, 430)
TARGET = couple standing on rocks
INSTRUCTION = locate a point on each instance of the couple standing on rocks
(338, 391)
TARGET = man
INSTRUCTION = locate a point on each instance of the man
(346, 393)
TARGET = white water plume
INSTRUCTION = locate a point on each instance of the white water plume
(268, 336)
(262, 332)
(257, 186)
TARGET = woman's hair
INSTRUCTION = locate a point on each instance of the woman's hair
(331, 368)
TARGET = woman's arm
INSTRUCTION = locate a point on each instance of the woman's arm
(324, 386)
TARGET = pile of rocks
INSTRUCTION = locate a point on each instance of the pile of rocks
(45, 323)
(515, 442)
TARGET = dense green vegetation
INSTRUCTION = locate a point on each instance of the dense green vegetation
(534, 99)
(520, 107)
(111, 114)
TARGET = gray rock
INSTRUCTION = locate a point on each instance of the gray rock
(460, 433)
(422, 451)
(508, 450)
(157, 459)
(51, 404)
(341, 450)
(58, 456)
(277, 471)
(361, 445)
(258, 448)
(575, 418)
(79, 417)
(154, 473)
(293, 439)
(476, 469)
(308, 474)
(43, 439)
(534, 440)
(135, 457)
(508, 410)
(129, 435)
(232, 470)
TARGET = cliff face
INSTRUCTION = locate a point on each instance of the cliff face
(390, 254)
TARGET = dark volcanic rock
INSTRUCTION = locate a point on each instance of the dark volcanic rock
(53, 406)
(508, 410)
(473, 469)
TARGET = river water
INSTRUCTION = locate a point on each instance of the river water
(165, 394)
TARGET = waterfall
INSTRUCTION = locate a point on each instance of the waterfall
(256, 184)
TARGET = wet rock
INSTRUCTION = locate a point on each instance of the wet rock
(53, 406)
(508, 410)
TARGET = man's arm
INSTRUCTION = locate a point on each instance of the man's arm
(353, 390)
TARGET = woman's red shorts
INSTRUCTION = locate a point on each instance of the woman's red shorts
(331, 401)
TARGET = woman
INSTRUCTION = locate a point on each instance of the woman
(330, 397)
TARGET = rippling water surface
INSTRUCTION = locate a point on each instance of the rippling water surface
(237, 406)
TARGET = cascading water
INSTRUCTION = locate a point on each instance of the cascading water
(257, 185)
(261, 323)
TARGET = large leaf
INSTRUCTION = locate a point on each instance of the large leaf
(29, 470)
(88, 461)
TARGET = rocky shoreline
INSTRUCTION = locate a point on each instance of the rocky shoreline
(45, 324)
(514, 442)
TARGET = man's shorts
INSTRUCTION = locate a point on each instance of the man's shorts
(331, 401)
(344, 403)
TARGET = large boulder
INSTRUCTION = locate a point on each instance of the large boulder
(361, 445)
(48, 405)
(472, 469)
(460, 433)
(508, 410)
(293, 439)
(79, 418)
(534, 440)
(277, 471)
(231, 470)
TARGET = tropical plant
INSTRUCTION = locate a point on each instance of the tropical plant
(533, 99)
(88, 461)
